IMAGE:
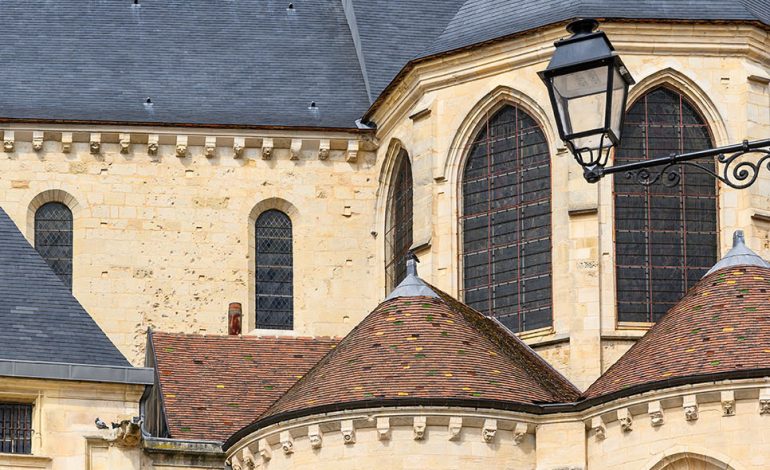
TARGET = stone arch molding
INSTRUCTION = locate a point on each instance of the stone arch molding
(274, 203)
(497, 98)
(691, 90)
(692, 458)
(384, 187)
(50, 195)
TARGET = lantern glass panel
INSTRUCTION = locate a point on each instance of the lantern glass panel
(581, 97)
(619, 90)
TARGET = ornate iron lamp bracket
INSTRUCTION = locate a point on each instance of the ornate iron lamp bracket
(731, 169)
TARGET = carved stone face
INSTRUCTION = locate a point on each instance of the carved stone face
(8, 145)
(488, 435)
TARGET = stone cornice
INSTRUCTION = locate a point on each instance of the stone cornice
(663, 39)
(183, 143)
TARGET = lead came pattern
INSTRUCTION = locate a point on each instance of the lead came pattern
(274, 276)
(507, 222)
(665, 237)
(398, 235)
(15, 428)
(53, 238)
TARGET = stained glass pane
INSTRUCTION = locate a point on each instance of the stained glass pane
(507, 222)
(398, 233)
(53, 238)
(274, 276)
(665, 238)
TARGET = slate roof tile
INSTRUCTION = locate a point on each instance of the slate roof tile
(40, 320)
(214, 385)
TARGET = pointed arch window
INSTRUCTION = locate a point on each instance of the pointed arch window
(506, 221)
(665, 237)
(274, 271)
(53, 238)
(398, 232)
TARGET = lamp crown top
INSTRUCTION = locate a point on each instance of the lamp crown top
(582, 26)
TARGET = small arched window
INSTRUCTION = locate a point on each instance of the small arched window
(665, 237)
(506, 221)
(53, 238)
(398, 233)
(274, 271)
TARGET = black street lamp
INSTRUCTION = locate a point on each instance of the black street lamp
(588, 85)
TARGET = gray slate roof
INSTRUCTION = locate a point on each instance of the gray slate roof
(257, 63)
(40, 320)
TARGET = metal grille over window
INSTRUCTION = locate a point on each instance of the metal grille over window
(53, 238)
(398, 234)
(665, 237)
(274, 283)
(15, 428)
(507, 222)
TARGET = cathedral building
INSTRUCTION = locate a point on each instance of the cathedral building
(346, 234)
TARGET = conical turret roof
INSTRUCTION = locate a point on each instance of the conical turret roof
(720, 329)
(425, 349)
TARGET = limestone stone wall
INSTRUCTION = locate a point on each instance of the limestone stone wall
(164, 216)
(165, 238)
(723, 71)
(395, 439)
(65, 436)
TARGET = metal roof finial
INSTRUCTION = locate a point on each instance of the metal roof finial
(739, 255)
(411, 263)
(412, 285)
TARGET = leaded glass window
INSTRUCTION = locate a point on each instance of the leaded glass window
(665, 237)
(398, 233)
(506, 221)
(53, 238)
(15, 428)
(274, 279)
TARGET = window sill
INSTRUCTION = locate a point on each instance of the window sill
(10, 461)
(535, 335)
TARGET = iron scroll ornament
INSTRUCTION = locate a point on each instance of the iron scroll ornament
(732, 170)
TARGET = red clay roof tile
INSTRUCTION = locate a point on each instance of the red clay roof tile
(427, 348)
(722, 325)
(214, 385)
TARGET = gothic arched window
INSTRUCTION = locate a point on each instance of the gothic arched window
(398, 231)
(665, 237)
(274, 266)
(53, 238)
(506, 221)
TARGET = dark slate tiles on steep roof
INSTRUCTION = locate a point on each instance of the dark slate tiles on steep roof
(225, 62)
(40, 320)
(478, 21)
(394, 32)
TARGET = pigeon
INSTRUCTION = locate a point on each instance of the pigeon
(100, 424)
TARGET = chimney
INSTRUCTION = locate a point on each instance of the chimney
(234, 317)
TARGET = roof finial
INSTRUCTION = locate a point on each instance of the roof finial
(411, 263)
(738, 238)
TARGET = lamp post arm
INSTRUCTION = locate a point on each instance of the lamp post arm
(737, 174)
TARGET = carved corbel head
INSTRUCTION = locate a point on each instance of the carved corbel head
(239, 144)
(296, 148)
(287, 442)
(489, 430)
(599, 428)
(37, 141)
(209, 150)
(95, 143)
(125, 143)
(383, 429)
(348, 431)
(248, 459)
(323, 149)
(519, 433)
(267, 148)
(351, 155)
(66, 142)
(626, 420)
(315, 436)
(690, 405)
(655, 410)
(455, 426)
(265, 451)
(419, 426)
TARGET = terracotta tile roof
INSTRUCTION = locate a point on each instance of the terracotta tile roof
(722, 325)
(436, 349)
(214, 385)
